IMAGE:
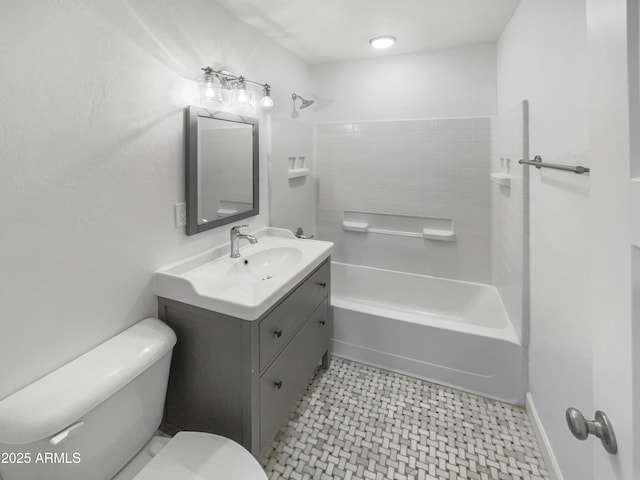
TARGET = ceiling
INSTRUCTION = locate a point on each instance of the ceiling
(320, 31)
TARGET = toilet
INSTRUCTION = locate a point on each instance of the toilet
(96, 418)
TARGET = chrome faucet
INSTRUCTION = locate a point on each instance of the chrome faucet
(235, 236)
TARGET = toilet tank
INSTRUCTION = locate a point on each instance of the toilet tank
(87, 419)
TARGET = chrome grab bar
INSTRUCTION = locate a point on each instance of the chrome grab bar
(538, 163)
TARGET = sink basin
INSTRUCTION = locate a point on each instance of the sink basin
(268, 264)
(244, 287)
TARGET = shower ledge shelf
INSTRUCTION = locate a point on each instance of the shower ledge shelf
(427, 233)
(433, 234)
(501, 178)
(298, 172)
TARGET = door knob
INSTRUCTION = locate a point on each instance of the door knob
(600, 427)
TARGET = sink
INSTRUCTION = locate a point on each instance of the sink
(268, 264)
(244, 287)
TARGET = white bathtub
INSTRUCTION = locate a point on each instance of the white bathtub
(445, 331)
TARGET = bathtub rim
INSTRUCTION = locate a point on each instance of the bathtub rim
(506, 333)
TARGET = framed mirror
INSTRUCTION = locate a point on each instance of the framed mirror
(222, 168)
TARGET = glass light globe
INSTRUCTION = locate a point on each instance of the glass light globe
(208, 90)
(266, 102)
(242, 96)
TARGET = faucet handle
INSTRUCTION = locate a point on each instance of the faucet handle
(300, 234)
(236, 229)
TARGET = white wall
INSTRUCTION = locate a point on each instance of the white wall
(455, 82)
(542, 58)
(92, 154)
(292, 201)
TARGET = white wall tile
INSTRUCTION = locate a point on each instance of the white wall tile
(423, 168)
(482, 123)
(430, 135)
(481, 135)
(472, 174)
(447, 136)
(431, 148)
(456, 148)
(481, 148)
(430, 125)
(334, 128)
(464, 123)
(447, 124)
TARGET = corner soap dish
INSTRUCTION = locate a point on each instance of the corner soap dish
(501, 178)
(298, 168)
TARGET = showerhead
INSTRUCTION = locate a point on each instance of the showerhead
(304, 104)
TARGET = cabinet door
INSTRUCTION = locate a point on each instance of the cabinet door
(284, 321)
(283, 382)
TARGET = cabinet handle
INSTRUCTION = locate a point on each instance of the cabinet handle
(322, 322)
(277, 333)
(278, 384)
(323, 284)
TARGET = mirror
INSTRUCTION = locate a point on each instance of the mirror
(222, 168)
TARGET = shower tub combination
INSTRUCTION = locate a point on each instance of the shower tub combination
(450, 332)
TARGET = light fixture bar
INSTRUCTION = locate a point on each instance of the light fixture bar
(228, 81)
(226, 77)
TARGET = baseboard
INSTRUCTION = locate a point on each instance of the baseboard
(543, 442)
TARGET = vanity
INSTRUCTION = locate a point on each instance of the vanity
(251, 331)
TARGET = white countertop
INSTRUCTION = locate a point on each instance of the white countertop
(244, 287)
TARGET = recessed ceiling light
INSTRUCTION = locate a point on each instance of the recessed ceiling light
(385, 41)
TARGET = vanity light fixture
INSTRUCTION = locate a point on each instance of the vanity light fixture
(213, 82)
(382, 42)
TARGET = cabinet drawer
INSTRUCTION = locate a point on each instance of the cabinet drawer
(278, 327)
(284, 381)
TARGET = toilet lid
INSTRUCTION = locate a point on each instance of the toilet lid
(202, 456)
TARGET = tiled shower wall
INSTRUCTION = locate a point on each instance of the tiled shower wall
(435, 168)
(510, 216)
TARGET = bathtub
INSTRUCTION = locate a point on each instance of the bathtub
(449, 332)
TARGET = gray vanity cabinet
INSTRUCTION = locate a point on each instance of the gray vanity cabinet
(241, 378)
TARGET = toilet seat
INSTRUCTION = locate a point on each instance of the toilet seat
(202, 456)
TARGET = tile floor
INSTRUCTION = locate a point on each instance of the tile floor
(359, 422)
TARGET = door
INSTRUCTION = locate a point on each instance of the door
(615, 260)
